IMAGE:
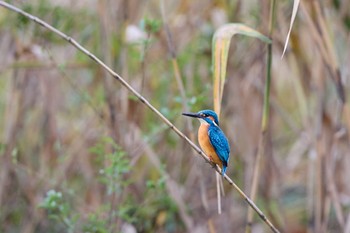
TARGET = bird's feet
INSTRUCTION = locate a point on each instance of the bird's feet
(212, 162)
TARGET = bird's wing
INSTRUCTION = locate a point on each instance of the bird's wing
(220, 143)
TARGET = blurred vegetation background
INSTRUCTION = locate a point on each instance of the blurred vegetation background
(78, 153)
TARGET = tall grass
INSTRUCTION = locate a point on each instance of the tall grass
(56, 105)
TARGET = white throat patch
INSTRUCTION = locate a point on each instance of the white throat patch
(205, 123)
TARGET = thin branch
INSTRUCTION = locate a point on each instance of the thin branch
(143, 100)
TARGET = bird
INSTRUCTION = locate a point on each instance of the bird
(212, 139)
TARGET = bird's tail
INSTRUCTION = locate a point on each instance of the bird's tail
(223, 170)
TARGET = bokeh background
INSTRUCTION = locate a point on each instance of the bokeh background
(79, 153)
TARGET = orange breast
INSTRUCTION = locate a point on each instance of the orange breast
(205, 144)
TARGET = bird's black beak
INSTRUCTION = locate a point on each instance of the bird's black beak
(195, 115)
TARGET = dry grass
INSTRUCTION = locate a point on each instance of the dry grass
(55, 105)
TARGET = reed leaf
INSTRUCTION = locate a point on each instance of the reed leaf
(220, 47)
(294, 13)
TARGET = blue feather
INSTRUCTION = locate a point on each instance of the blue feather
(220, 143)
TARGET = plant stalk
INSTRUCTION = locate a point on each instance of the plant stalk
(264, 122)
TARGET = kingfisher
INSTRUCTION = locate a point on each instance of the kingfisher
(212, 139)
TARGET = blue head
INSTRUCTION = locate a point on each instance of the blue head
(207, 115)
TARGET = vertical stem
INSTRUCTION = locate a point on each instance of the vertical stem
(175, 64)
(266, 107)
(266, 110)
(264, 120)
(218, 193)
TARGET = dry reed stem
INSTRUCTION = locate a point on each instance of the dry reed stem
(335, 71)
(321, 34)
(176, 69)
(143, 100)
(218, 191)
(177, 74)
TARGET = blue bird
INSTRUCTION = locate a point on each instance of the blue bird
(211, 138)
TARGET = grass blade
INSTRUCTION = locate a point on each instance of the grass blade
(294, 13)
(220, 47)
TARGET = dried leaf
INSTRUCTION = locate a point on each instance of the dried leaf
(221, 44)
(294, 13)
